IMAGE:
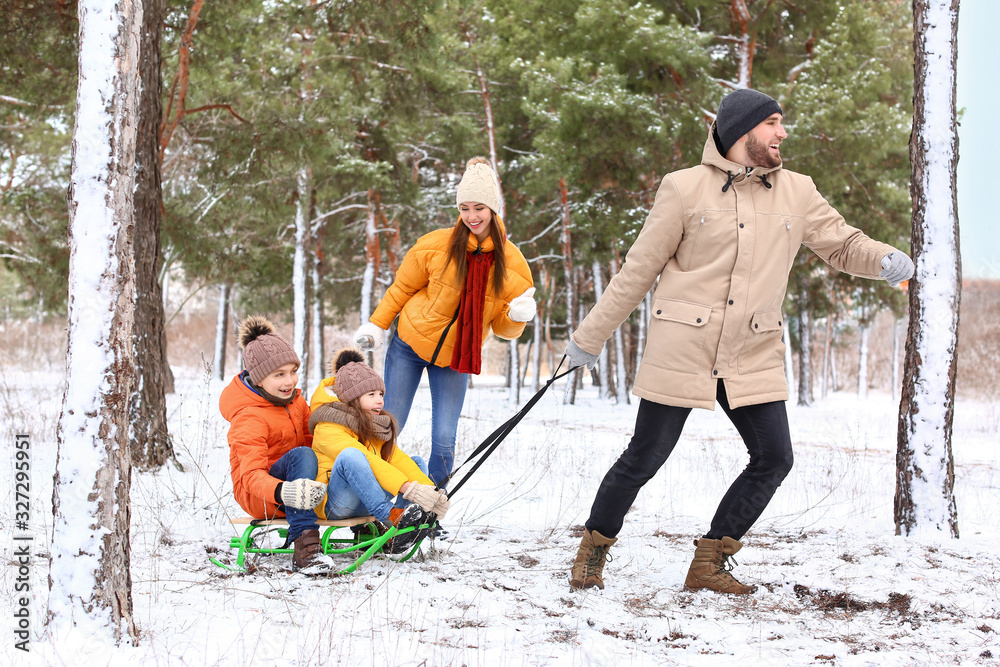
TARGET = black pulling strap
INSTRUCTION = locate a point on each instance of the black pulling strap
(491, 443)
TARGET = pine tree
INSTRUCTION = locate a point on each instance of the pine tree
(925, 468)
(150, 441)
(90, 580)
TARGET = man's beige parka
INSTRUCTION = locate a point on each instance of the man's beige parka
(722, 254)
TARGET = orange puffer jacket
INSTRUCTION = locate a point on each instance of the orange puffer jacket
(425, 294)
(260, 433)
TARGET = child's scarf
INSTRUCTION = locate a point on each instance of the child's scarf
(467, 355)
(338, 413)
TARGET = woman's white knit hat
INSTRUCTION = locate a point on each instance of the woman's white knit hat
(479, 184)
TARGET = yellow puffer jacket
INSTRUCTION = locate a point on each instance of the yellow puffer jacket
(426, 296)
(330, 439)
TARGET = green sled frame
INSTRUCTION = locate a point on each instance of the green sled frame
(362, 544)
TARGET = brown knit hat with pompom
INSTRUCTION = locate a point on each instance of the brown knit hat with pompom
(479, 184)
(264, 351)
(352, 376)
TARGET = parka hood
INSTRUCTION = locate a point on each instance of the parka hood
(733, 171)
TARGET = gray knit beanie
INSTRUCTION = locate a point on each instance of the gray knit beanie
(479, 184)
(264, 351)
(352, 376)
(739, 112)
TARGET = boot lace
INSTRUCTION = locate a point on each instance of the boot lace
(595, 560)
(726, 564)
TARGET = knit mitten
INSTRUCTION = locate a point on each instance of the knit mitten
(424, 496)
(441, 506)
(302, 494)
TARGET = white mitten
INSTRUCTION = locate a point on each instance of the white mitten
(441, 506)
(369, 336)
(302, 494)
(523, 308)
(423, 495)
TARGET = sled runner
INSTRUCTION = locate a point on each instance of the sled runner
(365, 540)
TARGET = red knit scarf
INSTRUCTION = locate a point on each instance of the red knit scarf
(467, 356)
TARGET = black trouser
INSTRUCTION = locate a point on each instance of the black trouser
(764, 429)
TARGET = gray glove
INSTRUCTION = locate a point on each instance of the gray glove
(369, 336)
(896, 267)
(523, 308)
(302, 494)
(578, 357)
(425, 496)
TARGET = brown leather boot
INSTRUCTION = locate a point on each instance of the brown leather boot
(588, 568)
(308, 551)
(710, 567)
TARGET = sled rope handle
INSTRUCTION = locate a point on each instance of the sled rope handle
(490, 444)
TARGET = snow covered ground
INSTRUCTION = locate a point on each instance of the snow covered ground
(836, 587)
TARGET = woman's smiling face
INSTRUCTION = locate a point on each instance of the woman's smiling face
(477, 217)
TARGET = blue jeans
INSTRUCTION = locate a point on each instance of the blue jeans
(764, 429)
(297, 463)
(403, 368)
(354, 491)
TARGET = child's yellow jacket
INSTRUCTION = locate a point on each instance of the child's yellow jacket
(329, 439)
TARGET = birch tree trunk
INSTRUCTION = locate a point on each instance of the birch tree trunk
(605, 391)
(371, 259)
(300, 318)
(621, 379)
(317, 356)
(536, 354)
(826, 355)
(786, 337)
(925, 473)
(645, 313)
(805, 358)
(90, 584)
(148, 435)
(864, 334)
(221, 333)
(569, 395)
(834, 377)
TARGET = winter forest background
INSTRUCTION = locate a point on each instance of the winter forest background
(282, 156)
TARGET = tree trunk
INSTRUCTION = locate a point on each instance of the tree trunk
(316, 353)
(536, 354)
(300, 280)
(605, 391)
(221, 332)
(834, 377)
(569, 395)
(148, 436)
(805, 358)
(925, 469)
(742, 20)
(895, 358)
(621, 381)
(826, 356)
(90, 584)
(645, 316)
(864, 333)
(789, 368)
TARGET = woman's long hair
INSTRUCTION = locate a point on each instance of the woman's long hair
(458, 248)
(366, 433)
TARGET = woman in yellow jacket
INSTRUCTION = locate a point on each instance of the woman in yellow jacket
(453, 286)
(359, 461)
